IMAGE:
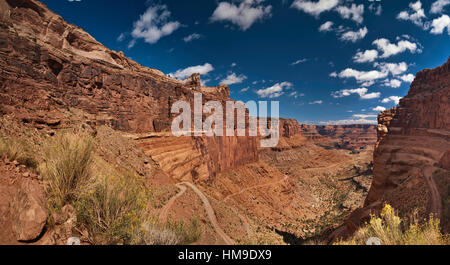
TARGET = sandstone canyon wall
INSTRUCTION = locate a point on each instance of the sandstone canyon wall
(411, 165)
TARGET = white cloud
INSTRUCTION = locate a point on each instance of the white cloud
(364, 116)
(393, 68)
(153, 25)
(379, 108)
(295, 94)
(299, 61)
(233, 64)
(362, 76)
(201, 69)
(393, 83)
(439, 6)
(315, 8)
(349, 122)
(416, 14)
(242, 15)
(355, 12)
(362, 92)
(366, 56)
(245, 89)
(354, 36)
(275, 90)
(193, 36)
(390, 49)
(121, 37)
(407, 78)
(317, 102)
(376, 9)
(394, 99)
(327, 26)
(387, 49)
(233, 79)
(439, 24)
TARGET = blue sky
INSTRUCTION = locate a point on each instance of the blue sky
(326, 61)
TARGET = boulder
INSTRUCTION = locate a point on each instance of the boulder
(28, 211)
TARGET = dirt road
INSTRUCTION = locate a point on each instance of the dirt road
(255, 187)
(207, 205)
(436, 201)
(165, 210)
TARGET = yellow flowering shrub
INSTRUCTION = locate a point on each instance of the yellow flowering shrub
(113, 209)
(391, 230)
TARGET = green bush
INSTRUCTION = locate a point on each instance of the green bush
(67, 167)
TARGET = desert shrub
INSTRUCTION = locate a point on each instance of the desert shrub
(67, 166)
(170, 233)
(19, 150)
(391, 230)
(187, 232)
(113, 209)
(152, 234)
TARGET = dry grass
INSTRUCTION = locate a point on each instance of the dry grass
(391, 230)
(113, 209)
(67, 167)
(19, 150)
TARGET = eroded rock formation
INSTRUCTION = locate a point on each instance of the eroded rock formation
(411, 164)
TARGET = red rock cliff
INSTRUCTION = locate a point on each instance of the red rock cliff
(411, 164)
(48, 66)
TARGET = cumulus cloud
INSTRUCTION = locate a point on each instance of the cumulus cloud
(387, 49)
(439, 6)
(407, 78)
(362, 76)
(274, 91)
(362, 92)
(366, 56)
(354, 12)
(242, 15)
(440, 24)
(354, 36)
(415, 14)
(315, 8)
(394, 99)
(390, 49)
(368, 78)
(317, 102)
(379, 109)
(193, 36)
(153, 25)
(233, 79)
(393, 83)
(393, 68)
(201, 69)
(327, 26)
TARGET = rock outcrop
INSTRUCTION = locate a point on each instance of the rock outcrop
(411, 159)
(351, 137)
(48, 65)
(29, 211)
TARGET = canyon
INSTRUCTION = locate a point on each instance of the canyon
(55, 77)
